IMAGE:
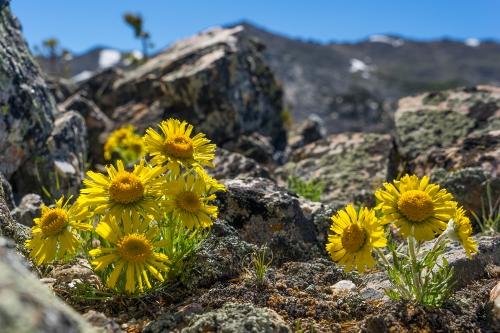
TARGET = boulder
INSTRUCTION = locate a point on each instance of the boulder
(310, 130)
(10, 228)
(451, 129)
(350, 166)
(231, 318)
(229, 165)
(28, 209)
(266, 214)
(216, 80)
(26, 305)
(31, 129)
(219, 258)
(97, 122)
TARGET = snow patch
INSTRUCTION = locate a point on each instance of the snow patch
(359, 66)
(108, 58)
(472, 42)
(396, 42)
(82, 76)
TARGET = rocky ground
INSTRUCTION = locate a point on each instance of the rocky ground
(219, 81)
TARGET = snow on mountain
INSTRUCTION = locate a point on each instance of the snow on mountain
(360, 66)
(472, 42)
(109, 57)
(396, 42)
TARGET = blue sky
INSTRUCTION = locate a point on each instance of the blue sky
(82, 24)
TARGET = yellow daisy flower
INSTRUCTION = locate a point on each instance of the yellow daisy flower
(54, 234)
(187, 198)
(355, 234)
(176, 147)
(131, 256)
(415, 204)
(126, 143)
(121, 192)
(460, 229)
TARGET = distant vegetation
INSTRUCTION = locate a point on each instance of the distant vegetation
(136, 22)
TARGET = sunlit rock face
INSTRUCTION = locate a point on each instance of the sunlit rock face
(35, 139)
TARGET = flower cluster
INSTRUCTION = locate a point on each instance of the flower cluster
(420, 212)
(131, 212)
(125, 143)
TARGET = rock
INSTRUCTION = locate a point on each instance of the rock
(343, 285)
(466, 270)
(255, 146)
(451, 129)
(7, 190)
(469, 186)
(60, 88)
(216, 80)
(219, 258)
(26, 305)
(495, 302)
(238, 318)
(97, 123)
(29, 121)
(28, 209)
(350, 166)
(8, 227)
(230, 165)
(311, 130)
(266, 214)
(99, 320)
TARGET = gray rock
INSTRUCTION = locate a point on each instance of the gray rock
(350, 166)
(29, 121)
(230, 165)
(216, 80)
(469, 187)
(219, 258)
(28, 306)
(98, 124)
(266, 214)
(28, 209)
(255, 146)
(466, 270)
(311, 130)
(8, 227)
(238, 318)
(8, 194)
(451, 129)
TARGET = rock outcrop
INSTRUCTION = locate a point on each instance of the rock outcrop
(32, 132)
(26, 305)
(216, 80)
(350, 166)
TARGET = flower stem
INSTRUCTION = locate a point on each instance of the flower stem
(414, 270)
(382, 256)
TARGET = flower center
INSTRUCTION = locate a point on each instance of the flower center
(179, 146)
(416, 205)
(135, 248)
(126, 188)
(54, 221)
(353, 238)
(189, 201)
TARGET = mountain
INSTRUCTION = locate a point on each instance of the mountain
(345, 82)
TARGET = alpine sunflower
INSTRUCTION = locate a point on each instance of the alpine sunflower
(54, 234)
(175, 147)
(122, 192)
(131, 255)
(415, 204)
(460, 229)
(126, 143)
(187, 198)
(355, 234)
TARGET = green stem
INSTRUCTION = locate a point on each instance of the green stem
(414, 270)
(382, 256)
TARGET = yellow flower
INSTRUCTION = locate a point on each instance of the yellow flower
(54, 234)
(122, 192)
(187, 198)
(176, 147)
(413, 203)
(460, 229)
(125, 142)
(132, 253)
(355, 234)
